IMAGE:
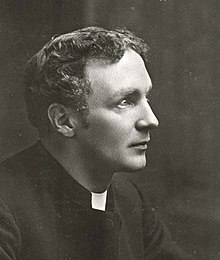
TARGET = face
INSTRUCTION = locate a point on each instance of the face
(120, 117)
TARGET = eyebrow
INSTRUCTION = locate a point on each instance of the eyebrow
(129, 91)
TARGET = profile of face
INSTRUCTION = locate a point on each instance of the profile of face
(120, 117)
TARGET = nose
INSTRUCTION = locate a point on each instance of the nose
(148, 120)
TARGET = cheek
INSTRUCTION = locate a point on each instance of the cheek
(110, 129)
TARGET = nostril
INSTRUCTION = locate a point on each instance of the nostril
(146, 124)
(141, 124)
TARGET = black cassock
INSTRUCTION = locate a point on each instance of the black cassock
(46, 215)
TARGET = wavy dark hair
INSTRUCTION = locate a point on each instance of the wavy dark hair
(56, 73)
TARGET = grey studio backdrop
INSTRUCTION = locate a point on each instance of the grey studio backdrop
(183, 175)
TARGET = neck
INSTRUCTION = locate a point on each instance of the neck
(90, 173)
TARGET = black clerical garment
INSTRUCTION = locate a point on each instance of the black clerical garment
(46, 215)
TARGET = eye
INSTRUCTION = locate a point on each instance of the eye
(124, 103)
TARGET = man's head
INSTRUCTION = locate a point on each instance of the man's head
(91, 86)
(56, 74)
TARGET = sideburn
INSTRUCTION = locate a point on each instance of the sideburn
(84, 117)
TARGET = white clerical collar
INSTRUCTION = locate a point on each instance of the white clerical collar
(98, 200)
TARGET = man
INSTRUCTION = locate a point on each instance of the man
(87, 94)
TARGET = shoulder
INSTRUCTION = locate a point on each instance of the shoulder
(128, 193)
(124, 185)
(17, 162)
(20, 160)
(131, 186)
(18, 171)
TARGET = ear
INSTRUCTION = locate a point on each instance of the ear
(62, 119)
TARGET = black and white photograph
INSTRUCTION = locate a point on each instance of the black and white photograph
(109, 130)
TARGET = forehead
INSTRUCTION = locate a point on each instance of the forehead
(107, 79)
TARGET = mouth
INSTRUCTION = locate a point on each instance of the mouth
(140, 145)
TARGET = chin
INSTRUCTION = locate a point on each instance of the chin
(135, 166)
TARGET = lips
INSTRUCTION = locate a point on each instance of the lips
(140, 145)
